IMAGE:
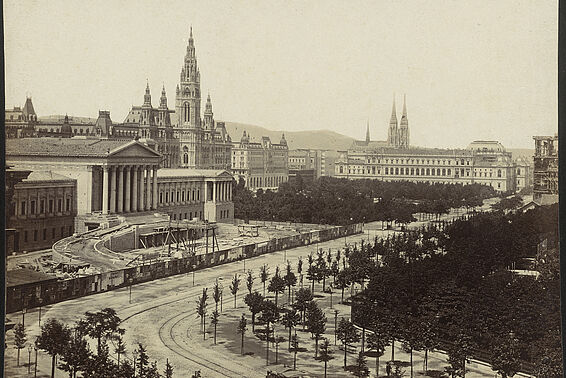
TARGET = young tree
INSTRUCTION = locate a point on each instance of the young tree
(277, 284)
(100, 365)
(303, 298)
(300, 270)
(168, 370)
(347, 334)
(242, 327)
(458, 353)
(290, 319)
(361, 367)
(53, 339)
(142, 360)
(343, 281)
(316, 322)
(321, 271)
(290, 279)
(120, 349)
(216, 294)
(19, 338)
(325, 354)
(255, 303)
(250, 281)
(378, 340)
(214, 321)
(102, 324)
(201, 309)
(234, 286)
(269, 315)
(76, 354)
(505, 358)
(264, 275)
(294, 349)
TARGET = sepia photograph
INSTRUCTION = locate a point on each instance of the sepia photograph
(372, 184)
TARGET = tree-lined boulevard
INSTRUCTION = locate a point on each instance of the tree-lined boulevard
(192, 328)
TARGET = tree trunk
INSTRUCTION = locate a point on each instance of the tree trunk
(295, 361)
(53, 366)
(18, 356)
(289, 294)
(345, 348)
(242, 347)
(377, 366)
(234, 300)
(363, 338)
(204, 330)
(264, 288)
(289, 338)
(214, 333)
(316, 346)
(325, 363)
(426, 360)
(118, 360)
(267, 341)
(342, 301)
(393, 350)
(323, 282)
(276, 298)
(411, 362)
(253, 321)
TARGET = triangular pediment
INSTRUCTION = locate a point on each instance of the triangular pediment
(134, 149)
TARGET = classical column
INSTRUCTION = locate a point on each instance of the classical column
(154, 187)
(135, 188)
(104, 190)
(120, 189)
(112, 189)
(148, 188)
(213, 191)
(140, 188)
(128, 186)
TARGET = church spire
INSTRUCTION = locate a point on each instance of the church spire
(367, 132)
(393, 132)
(404, 105)
(404, 126)
(393, 113)
(163, 99)
(147, 95)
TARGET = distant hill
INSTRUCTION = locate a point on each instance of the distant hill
(315, 139)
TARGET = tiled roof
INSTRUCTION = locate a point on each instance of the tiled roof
(188, 172)
(25, 276)
(46, 176)
(62, 147)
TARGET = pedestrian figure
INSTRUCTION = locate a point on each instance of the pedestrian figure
(388, 368)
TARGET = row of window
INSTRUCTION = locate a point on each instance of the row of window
(418, 161)
(50, 209)
(224, 214)
(258, 182)
(48, 235)
(182, 196)
(190, 215)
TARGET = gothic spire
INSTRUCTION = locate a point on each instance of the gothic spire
(393, 112)
(404, 106)
(163, 99)
(147, 96)
(367, 133)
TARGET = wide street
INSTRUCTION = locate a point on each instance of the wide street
(162, 316)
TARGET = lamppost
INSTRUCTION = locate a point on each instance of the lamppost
(130, 280)
(330, 287)
(40, 300)
(29, 358)
(35, 363)
(194, 268)
(335, 324)
(24, 316)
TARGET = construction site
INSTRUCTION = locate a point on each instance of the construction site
(145, 248)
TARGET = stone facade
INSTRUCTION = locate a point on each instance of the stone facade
(180, 136)
(42, 211)
(262, 165)
(484, 162)
(545, 180)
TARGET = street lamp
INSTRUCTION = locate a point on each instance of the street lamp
(24, 310)
(29, 358)
(130, 280)
(335, 324)
(35, 363)
(40, 300)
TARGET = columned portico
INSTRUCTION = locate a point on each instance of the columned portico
(128, 187)
(154, 182)
(105, 189)
(120, 189)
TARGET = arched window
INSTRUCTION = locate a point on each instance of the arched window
(428, 171)
(499, 173)
(341, 169)
(187, 111)
(185, 158)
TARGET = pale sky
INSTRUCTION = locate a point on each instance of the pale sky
(471, 70)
